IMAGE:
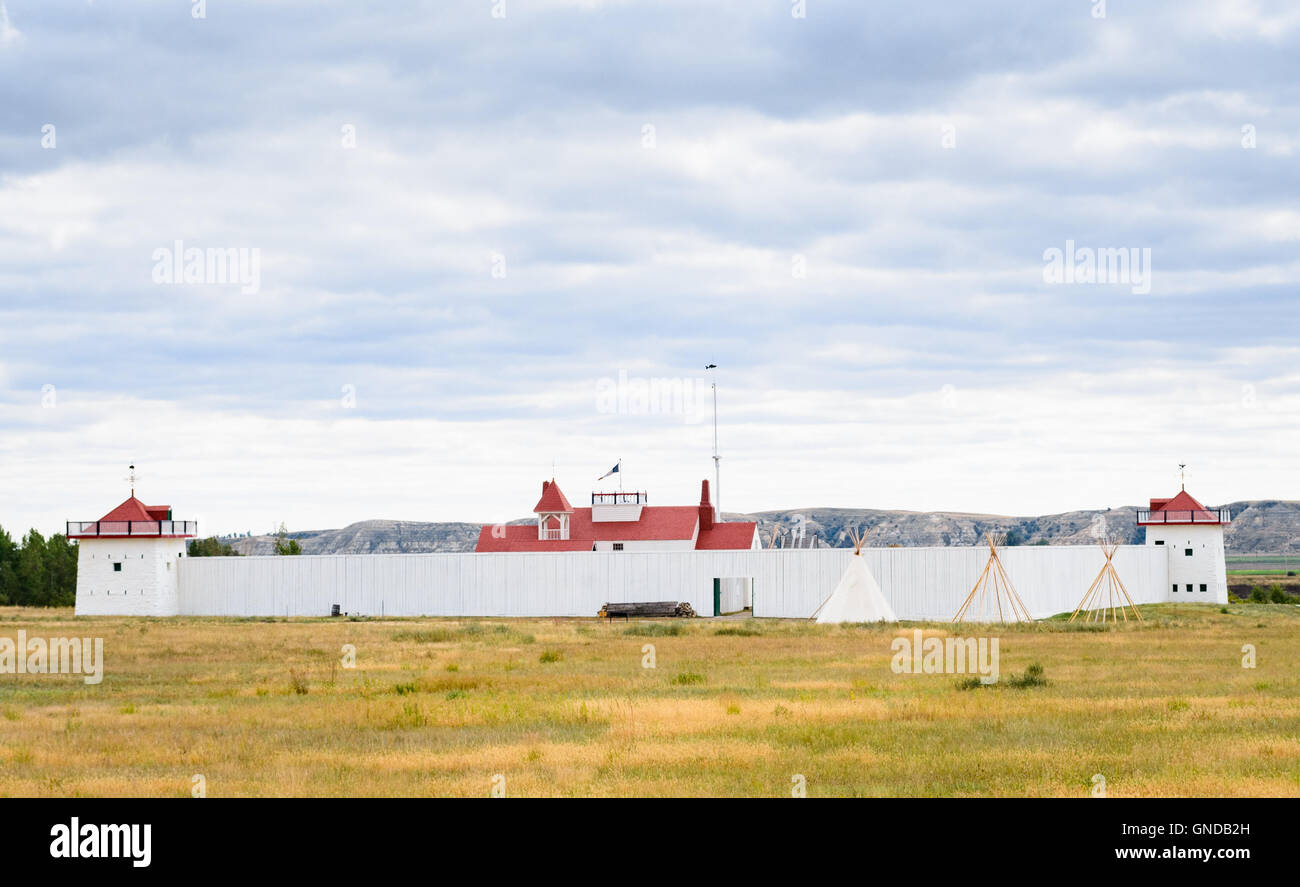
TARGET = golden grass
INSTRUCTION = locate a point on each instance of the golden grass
(564, 707)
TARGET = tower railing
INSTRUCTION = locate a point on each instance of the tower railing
(619, 498)
(1205, 516)
(133, 528)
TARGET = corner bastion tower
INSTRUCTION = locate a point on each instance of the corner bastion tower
(127, 560)
(1193, 537)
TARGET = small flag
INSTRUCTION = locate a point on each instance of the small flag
(613, 470)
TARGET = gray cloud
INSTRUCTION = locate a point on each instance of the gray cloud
(776, 142)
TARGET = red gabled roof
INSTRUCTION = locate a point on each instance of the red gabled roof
(657, 524)
(660, 523)
(131, 509)
(553, 499)
(739, 535)
(524, 538)
(1184, 501)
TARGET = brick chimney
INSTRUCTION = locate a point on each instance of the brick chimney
(706, 508)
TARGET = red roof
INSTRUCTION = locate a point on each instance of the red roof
(125, 520)
(661, 523)
(553, 499)
(1182, 509)
(727, 537)
(524, 538)
(134, 509)
(1184, 501)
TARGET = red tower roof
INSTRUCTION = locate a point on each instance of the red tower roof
(133, 518)
(1182, 509)
(553, 500)
(134, 509)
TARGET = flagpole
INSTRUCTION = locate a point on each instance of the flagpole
(717, 460)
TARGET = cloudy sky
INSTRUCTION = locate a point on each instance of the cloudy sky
(492, 237)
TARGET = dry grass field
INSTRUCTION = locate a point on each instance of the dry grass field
(565, 707)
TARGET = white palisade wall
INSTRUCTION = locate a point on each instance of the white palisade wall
(148, 583)
(931, 583)
(920, 583)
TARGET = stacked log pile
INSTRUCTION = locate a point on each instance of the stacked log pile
(646, 610)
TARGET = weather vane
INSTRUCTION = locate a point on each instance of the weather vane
(1182, 474)
(131, 478)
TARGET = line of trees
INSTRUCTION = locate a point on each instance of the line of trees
(37, 572)
(211, 547)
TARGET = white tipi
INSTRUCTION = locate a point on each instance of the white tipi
(858, 597)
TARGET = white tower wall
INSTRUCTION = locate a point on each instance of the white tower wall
(143, 582)
(1197, 565)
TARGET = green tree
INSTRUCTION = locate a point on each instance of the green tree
(8, 569)
(33, 578)
(211, 547)
(61, 570)
(38, 573)
(285, 545)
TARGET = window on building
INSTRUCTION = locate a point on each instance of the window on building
(1175, 589)
(1204, 587)
(1189, 586)
(618, 546)
(117, 567)
(1187, 552)
(1160, 542)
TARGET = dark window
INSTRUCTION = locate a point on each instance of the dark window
(618, 546)
(1189, 587)
(1204, 587)
(1160, 542)
(1187, 552)
(1175, 589)
(117, 567)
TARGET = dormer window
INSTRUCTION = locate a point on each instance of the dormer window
(553, 526)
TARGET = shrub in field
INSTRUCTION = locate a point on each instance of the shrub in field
(688, 677)
(426, 636)
(550, 656)
(655, 630)
(298, 682)
(1258, 595)
(738, 632)
(1033, 677)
